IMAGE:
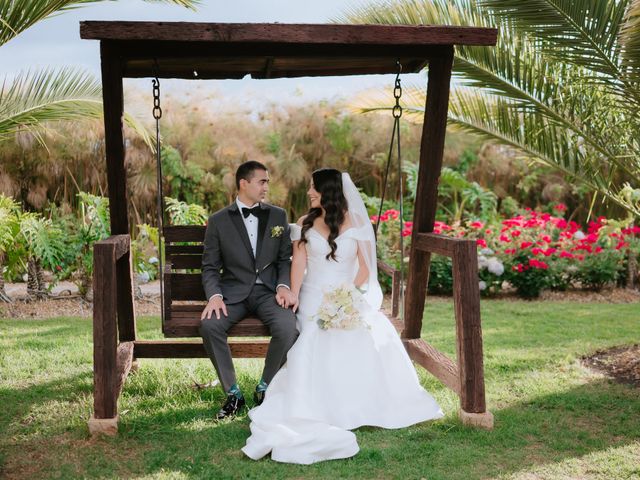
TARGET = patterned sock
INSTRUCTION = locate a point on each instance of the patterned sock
(262, 386)
(235, 390)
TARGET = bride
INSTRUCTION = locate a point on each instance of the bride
(348, 367)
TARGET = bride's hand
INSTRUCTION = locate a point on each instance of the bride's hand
(295, 304)
(286, 298)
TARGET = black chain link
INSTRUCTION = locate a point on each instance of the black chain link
(397, 93)
(157, 114)
(157, 110)
(397, 113)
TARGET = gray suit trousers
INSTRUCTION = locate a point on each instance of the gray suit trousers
(261, 302)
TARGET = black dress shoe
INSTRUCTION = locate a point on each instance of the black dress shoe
(231, 407)
(258, 397)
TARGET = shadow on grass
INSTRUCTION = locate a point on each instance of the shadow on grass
(165, 436)
(547, 429)
(16, 403)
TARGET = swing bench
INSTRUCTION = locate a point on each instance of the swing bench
(181, 313)
(231, 51)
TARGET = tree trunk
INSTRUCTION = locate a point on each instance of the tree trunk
(3, 294)
(40, 277)
(632, 268)
(35, 279)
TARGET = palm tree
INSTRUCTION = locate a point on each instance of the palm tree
(45, 246)
(561, 87)
(35, 97)
(9, 228)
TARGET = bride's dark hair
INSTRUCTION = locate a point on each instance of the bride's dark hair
(327, 182)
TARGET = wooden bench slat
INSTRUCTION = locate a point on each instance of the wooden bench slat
(186, 286)
(187, 324)
(182, 249)
(195, 349)
(190, 260)
(184, 233)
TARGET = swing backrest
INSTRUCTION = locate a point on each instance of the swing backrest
(184, 297)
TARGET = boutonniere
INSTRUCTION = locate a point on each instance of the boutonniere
(277, 231)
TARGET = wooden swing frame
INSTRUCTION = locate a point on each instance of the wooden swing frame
(231, 51)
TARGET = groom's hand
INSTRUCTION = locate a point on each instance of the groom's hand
(286, 298)
(215, 304)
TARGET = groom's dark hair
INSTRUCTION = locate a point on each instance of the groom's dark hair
(245, 171)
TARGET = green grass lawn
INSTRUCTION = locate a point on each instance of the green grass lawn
(553, 418)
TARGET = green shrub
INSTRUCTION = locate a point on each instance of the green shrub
(440, 275)
(528, 276)
(596, 271)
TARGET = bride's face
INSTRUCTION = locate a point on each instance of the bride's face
(314, 196)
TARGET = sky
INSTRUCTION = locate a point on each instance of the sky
(56, 42)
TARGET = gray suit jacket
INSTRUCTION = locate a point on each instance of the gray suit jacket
(228, 265)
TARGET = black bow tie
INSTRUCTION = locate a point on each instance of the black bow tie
(255, 211)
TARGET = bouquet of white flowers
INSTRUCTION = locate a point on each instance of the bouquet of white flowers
(341, 308)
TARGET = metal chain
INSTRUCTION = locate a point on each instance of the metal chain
(397, 113)
(397, 93)
(157, 110)
(157, 114)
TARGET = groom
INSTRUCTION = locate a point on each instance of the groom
(246, 270)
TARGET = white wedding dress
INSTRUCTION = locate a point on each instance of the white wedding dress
(336, 380)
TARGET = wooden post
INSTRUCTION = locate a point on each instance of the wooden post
(431, 151)
(466, 298)
(113, 104)
(105, 341)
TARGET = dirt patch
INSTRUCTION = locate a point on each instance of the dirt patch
(620, 363)
(612, 295)
(71, 307)
(61, 304)
(607, 295)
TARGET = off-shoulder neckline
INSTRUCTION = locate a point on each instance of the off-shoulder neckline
(326, 239)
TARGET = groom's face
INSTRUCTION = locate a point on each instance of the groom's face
(255, 189)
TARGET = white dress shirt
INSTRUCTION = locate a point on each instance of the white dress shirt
(251, 223)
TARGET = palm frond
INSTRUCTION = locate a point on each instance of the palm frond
(561, 101)
(583, 32)
(498, 120)
(182, 213)
(33, 100)
(44, 240)
(18, 15)
(630, 40)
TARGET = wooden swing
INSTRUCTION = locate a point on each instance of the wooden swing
(231, 51)
(185, 246)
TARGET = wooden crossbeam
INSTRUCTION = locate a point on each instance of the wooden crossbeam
(124, 360)
(281, 33)
(435, 362)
